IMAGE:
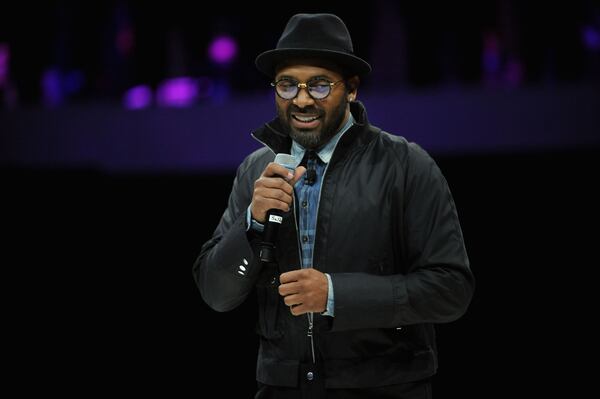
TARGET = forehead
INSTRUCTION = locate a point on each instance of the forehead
(306, 72)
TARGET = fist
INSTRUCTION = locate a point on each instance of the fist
(304, 290)
(274, 189)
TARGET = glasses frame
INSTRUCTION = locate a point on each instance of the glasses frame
(304, 85)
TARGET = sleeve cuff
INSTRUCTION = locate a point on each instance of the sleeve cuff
(251, 223)
(330, 302)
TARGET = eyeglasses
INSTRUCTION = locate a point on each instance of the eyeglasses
(318, 89)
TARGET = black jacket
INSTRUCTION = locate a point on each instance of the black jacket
(388, 234)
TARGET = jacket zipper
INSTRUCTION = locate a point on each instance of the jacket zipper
(310, 314)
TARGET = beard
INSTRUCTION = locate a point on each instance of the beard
(313, 138)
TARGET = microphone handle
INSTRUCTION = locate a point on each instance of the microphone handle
(274, 220)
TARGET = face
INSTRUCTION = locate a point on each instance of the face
(311, 122)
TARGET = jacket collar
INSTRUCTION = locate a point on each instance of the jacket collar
(271, 134)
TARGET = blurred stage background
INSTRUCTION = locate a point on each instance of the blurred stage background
(121, 126)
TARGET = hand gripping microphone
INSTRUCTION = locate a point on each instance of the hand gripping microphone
(274, 216)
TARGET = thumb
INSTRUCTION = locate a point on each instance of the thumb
(300, 170)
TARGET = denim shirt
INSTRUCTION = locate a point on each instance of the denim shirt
(307, 197)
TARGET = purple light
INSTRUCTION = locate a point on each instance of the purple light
(58, 86)
(591, 38)
(491, 54)
(223, 49)
(4, 62)
(177, 92)
(52, 87)
(138, 97)
(73, 81)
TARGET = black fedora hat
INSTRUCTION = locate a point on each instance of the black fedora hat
(318, 36)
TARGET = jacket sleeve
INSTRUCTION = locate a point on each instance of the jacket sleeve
(438, 284)
(227, 268)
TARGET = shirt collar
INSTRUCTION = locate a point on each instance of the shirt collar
(325, 152)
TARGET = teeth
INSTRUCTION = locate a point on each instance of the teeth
(305, 119)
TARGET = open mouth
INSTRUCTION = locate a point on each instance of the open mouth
(305, 121)
(304, 118)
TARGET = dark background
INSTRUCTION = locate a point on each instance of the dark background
(107, 298)
(98, 255)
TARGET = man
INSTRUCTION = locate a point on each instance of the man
(369, 254)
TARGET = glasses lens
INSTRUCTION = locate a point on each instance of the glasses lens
(286, 89)
(319, 89)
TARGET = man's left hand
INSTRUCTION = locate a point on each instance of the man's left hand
(304, 290)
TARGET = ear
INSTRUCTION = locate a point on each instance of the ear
(352, 87)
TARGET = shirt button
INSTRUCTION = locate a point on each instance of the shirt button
(304, 238)
(304, 204)
(310, 376)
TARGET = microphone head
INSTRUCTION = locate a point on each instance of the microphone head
(286, 160)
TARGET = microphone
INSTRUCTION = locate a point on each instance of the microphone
(310, 177)
(274, 216)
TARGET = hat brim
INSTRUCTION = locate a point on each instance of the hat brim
(267, 62)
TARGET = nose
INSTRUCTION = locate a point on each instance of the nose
(303, 99)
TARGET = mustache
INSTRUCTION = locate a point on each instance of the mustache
(306, 110)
